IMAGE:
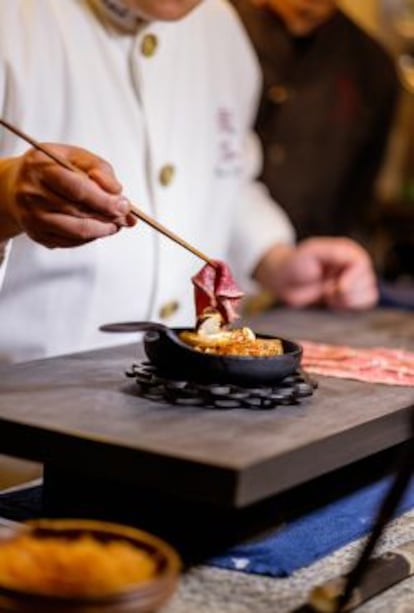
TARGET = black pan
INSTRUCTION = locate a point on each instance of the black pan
(173, 357)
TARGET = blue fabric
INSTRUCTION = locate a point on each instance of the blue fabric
(396, 296)
(21, 504)
(313, 536)
(289, 548)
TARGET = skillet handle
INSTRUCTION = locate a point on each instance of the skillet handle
(136, 326)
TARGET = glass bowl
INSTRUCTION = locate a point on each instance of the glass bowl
(145, 596)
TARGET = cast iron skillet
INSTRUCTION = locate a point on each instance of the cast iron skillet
(177, 359)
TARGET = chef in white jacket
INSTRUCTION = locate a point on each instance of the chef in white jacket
(165, 92)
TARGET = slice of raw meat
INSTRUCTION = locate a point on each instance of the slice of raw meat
(373, 365)
(215, 289)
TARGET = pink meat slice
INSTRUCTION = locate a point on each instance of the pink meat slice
(373, 365)
(215, 288)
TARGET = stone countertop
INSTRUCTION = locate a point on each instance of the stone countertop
(212, 590)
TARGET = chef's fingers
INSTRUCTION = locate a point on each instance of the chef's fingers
(301, 280)
(359, 284)
(37, 204)
(303, 295)
(360, 271)
(349, 278)
(56, 241)
(37, 171)
(358, 299)
(97, 169)
(334, 253)
(103, 173)
(82, 191)
(66, 228)
(131, 220)
(361, 294)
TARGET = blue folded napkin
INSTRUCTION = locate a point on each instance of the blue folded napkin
(314, 535)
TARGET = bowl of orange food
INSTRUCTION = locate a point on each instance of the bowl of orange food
(84, 566)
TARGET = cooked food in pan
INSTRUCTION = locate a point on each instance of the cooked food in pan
(217, 298)
(241, 342)
(212, 351)
(166, 349)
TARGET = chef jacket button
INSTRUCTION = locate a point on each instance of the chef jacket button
(278, 94)
(168, 309)
(149, 45)
(167, 174)
(277, 154)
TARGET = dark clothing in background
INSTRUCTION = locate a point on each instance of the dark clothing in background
(327, 105)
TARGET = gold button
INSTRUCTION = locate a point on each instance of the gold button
(168, 309)
(167, 174)
(149, 45)
(279, 94)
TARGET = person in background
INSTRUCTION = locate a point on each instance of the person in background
(329, 93)
(153, 101)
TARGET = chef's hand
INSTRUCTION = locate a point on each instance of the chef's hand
(58, 207)
(335, 271)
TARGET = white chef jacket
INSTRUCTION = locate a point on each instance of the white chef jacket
(70, 75)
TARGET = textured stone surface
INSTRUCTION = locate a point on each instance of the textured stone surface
(212, 590)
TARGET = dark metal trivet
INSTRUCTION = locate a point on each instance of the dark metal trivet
(155, 385)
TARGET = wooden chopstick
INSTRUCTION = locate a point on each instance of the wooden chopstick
(134, 210)
(404, 472)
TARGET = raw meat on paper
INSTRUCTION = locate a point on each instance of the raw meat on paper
(372, 365)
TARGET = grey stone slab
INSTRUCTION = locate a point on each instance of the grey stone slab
(214, 590)
(80, 412)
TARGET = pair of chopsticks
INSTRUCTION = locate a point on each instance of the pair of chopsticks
(133, 209)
